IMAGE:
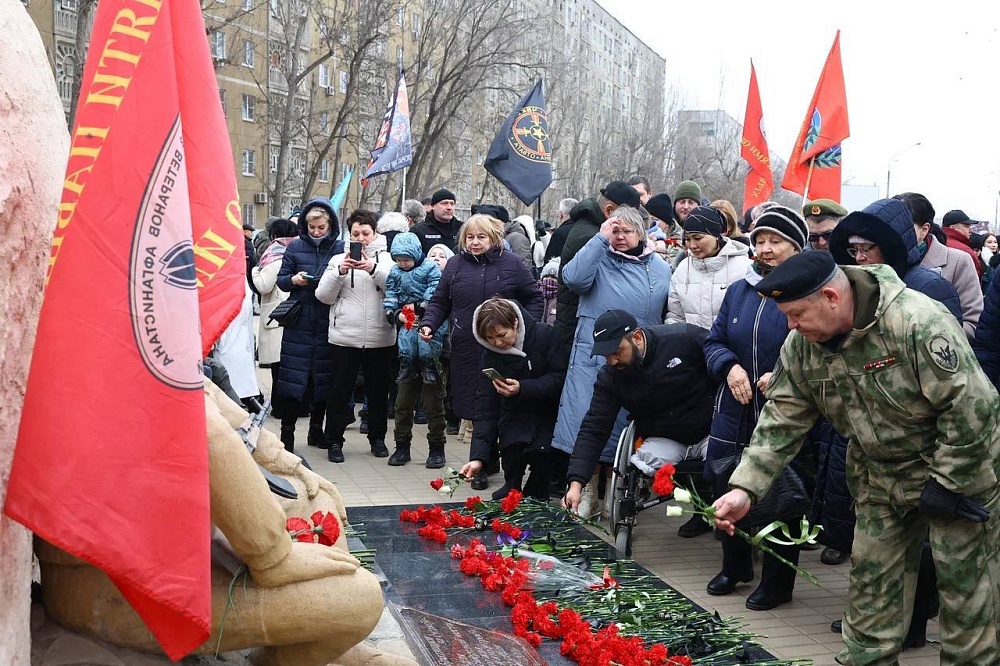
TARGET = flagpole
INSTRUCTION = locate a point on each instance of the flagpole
(805, 191)
(404, 190)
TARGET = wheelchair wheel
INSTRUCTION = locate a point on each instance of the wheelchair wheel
(619, 476)
(623, 541)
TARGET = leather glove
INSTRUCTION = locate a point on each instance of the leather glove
(420, 308)
(939, 502)
(390, 316)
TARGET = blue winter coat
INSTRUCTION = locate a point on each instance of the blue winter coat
(888, 224)
(749, 330)
(305, 351)
(466, 282)
(988, 332)
(604, 279)
(833, 506)
(416, 285)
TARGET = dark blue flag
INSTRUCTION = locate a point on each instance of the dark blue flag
(520, 156)
(393, 149)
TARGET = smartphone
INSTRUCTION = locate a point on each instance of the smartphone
(311, 278)
(493, 374)
(356, 250)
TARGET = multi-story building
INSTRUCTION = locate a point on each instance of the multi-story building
(304, 84)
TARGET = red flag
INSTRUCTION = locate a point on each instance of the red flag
(824, 128)
(111, 463)
(753, 148)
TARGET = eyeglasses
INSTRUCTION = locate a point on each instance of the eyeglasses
(815, 238)
(624, 232)
(855, 250)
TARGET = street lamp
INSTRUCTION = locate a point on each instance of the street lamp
(888, 168)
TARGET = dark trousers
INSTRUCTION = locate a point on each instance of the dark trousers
(375, 364)
(775, 576)
(433, 401)
(543, 464)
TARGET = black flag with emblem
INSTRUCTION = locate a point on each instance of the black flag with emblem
(519, 156)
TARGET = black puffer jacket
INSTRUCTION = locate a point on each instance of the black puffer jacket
(431, 232)
(304, 347)
(587, 220)
(833, 506)
(528, 418)
(668, 394)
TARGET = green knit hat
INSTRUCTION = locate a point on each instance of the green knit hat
(688, 189)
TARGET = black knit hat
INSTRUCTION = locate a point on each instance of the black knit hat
(661, 207)
(785, 222)
(621, 193)
(442, 195)
(704, 220)
(493, 210)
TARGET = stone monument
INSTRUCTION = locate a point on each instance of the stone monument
(34, 143)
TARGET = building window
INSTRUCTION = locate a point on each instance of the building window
(65, 70)
(399, 57)
(250, 214)
(276, 8)
(343, 81)
(222, 98)
(247, 5)
(401, 17)
(249, 163)
(345, 169)
(248, 108)
(416, 25)
(324, 76)
(324, 123)
(248, 53)
(324, 171)
(273, 160)
(218, 45)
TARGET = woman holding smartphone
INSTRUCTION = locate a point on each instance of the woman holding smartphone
(304, 368)
(359, 335)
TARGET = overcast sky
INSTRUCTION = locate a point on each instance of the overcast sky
(912, 75)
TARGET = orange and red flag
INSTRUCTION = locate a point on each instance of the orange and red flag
(146, 271)
(753, 148)
(824, 128)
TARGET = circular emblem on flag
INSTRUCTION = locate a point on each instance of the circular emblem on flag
(530, 135)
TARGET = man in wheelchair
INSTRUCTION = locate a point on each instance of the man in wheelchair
(658, 375)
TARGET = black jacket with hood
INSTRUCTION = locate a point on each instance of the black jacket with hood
(587, 220)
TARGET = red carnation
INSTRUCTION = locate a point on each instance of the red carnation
(511, 501)
(326, 527)
(472, 503)
(299, 529)
(663, 482)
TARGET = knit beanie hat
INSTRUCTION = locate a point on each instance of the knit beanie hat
(688, 189)
(704, 220)
(661, 207)
(442, 195)
(785, 222)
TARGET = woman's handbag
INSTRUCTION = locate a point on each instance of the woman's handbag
(286, 313)
(786, 499)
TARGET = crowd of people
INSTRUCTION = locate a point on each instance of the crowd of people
(855, 351)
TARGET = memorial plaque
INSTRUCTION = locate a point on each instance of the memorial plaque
(444, 642)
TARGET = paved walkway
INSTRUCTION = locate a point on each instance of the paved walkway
(798, 629)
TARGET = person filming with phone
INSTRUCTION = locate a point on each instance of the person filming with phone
(359, 335)
(517, 396)
(304, 367)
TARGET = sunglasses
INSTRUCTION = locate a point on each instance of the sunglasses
(815, 238)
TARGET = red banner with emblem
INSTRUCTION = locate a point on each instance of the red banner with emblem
(753, 148)
(145, 272)
(817, 147)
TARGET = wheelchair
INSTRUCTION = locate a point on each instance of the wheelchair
(632, 491)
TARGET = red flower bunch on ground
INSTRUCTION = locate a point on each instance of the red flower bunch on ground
(436, 520)
(472, 503)
(510, 502)
(663, 482)
(409, 317)
(324, 527)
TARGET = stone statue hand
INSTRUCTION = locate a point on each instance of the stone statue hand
(307, 561)
(315, 483)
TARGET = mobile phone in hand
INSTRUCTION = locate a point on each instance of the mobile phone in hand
(311, 278)
(356, 248)
(493, 374)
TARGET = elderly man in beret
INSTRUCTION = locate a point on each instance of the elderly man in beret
(895, 373)
(822, 216)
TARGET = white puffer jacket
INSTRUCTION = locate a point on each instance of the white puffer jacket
(356, 315)
(699, 285)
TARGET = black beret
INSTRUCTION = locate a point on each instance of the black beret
(798, 276)
(621, 193)
(493, 210)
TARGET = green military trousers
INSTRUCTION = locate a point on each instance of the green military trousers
(884, 565)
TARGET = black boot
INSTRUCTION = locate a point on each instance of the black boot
(378, 448)
(406, 372)
(401, 455)
(435, 457)
(288, 436)
(429, 373)
(315, 437)
(335, 453)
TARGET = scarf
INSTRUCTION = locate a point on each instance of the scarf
(761, 268)
(275, 251)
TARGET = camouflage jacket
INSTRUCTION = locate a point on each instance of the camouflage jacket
(903, 386)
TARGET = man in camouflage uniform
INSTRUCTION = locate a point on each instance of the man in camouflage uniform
(893, 371)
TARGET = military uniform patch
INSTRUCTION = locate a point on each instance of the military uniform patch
(942, 353)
